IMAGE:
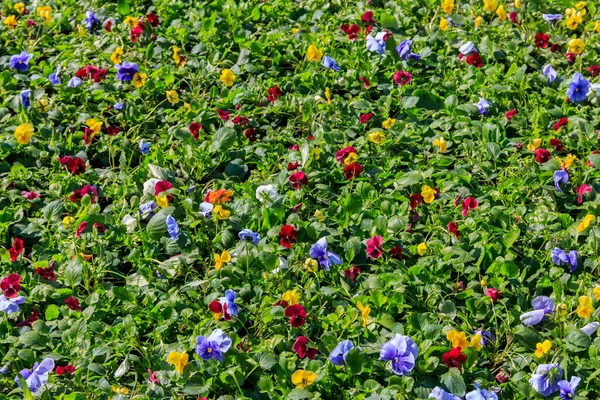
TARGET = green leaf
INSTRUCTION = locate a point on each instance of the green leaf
(123, 8)
(52, 312)
(511, 237)
(123, 368)
(157, 226)
(388, 21)
(447, 307)
(223, 139)
(26, 392)
(576, 341)
(196, 386)
(298, 394)
(355, 361)
(409, 102)
(428, 100)
(269, 260)
(454, 382)
(528, 337)
(595, 159)
(265, 360)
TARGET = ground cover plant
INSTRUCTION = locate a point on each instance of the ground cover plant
(243, 199)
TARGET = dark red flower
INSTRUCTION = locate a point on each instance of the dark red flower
(352, 273)
(502, 377)
(11, 285)
(453, 229)
(352, 31)
(153, 19)
(250, 134)
(493, 294)
(298, 179)
(47, 273)
(374, 249)
(64, 160)
(475, 59)
(293, 166)
(341, 155)
(195, 129)
(470, 203)
(297, 208)
(223, 114)
(557, 144)
(454, 358)
(414, 200)
(352, 171)
(91, 191)
(366, 83)
(367, 18)
(510, 114)
(396, 252)
(30, 195)
(368, 30)
(560, 123)
(541, 40)
(76, 165)
(571, 57)
(108, 26)
(87, 72)
(112, 130)
(240, 120)
(301, 348)
(274, 93)
(76, 196)
(81, 228)
(88, 135)
(364, 118)
(541, 155)
(281, 303)
(16, 249)
(297, 315)
(34, 316)
(287, 236)
(73, 303)
(136, 32)
(162, 186)
(594, 70)
(66, 370)
(99, 76)
(215, 307)
(402, 78)
(513, 17)
(99, 227)
(555, 48)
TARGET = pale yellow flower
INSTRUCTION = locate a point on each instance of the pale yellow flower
(597, 293)
(518, 3)
(319, 215)
(68, 222)
(311, 264)
(352, 158)
(45, 12)
(221, 213)
(20, 7)
(441, 143)
(162, 201)
(501, 13)
(328, 95)
(490, 5)
(95, 126)
(476, 341)
(172, 97)
(478, 21)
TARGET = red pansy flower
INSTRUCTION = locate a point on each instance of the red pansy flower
(510, 114)
(274, 93)
(352, 171)
(557, 144)
(223, 114)
(454, 358)
(34, 316)
(81, 228)
(581, 190)
(162, 186)
(493, 294)
(555, 48)
(364, 118)
(366, 83)
(475, 59)
(541, 155)
(352, 273)
(541, 40)
(66, 370)
(414, 200)
(47, 273)
(402, 78)
(351, 30)
(73, 303)
(240, 120)
(301, 348)
(374, 249)
(560, 123)
(298, 179)
(108, 26)
(250, 134)
(453, 229)
(341, 155)
(287, 236)
(195, 129)
(367, 18)
(16, 249)
(297, 315)
(396, 252)
(470, 203)
(293, 166)
(11, 285)
(153, 19)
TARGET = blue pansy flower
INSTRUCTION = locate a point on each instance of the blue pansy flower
(147, 209)
(552, 18)
(126, 71)
(119, 106)
(483, 106)
(54, 77)
(467, 48)
(404, 52)
(206, 209)
(560, 176)
(542, 306)
(144, 147)
(329, 63)
(90, 20)
(11, 305)
(215, 346)
(25, 97)
(560, 257)
(402, 352)
(376, 44)
(550, 72)
(229, 302)
(481, 394)
(339, 354)
(578, 88)
(546, 378)
(247, 234)
(319, 252)
(172, 227)
(567, 388)
(440, 394)
(20, 62)
(75, 82)
(37, 376)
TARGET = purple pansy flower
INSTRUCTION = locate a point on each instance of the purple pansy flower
(20, 62)
(329, 63)
(542, 306)
(546, 378)
(560, 176)
(9, 306)
(126, 71)
(339, 354)
(247, 234)
(25, 97)
(567, 388)
(319, 252)
(172, 227)
(229, 301)
(578, 88)
(402, 352)
(215, 346)
(37, 376)
(440, 394)
(550, 72)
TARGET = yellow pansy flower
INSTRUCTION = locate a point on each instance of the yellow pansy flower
(179, 360)
(81, 30)
(478, 21)
(597, 293)
(483, 282)
(535, 143)
(10, 22)
(441, 143)
(501, 13)
(365, 310)
(302, 378)
(68, 221)
(162, 201)
(542, 348)
(20, 7)
(518, 3)
(221, 213)
(319, 215)
(428, 194)
(118, 390)
(41, 105)
(476, 341)
(352, 157)
(580, 5)
(45, 12)
(94, 125)
(313, 54)
(291, 297)
(576, 46)
(422, 249)
(317, 153)
(295, 30)
(597, 26)
(172, 97)
(561, 309)
(115, 57)
(585, 223)
(388, 123)
(311, 264)
(176, 56)
(377, 137)
(448, 6)
(328, 95)
(585, 308)
(458, 339)
(444, 24)
(227, 77)
(569, 160)
(573, 21)
(23, 133)
(221, 259)
(490, 5)
(139, 79)
(131, 21)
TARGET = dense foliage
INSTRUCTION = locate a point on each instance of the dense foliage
(278, 199)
